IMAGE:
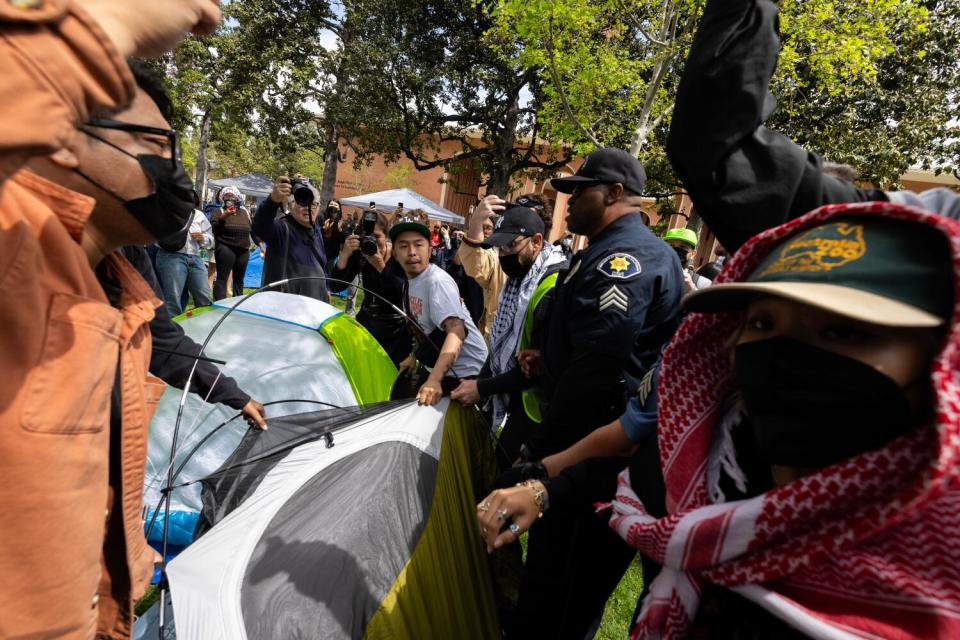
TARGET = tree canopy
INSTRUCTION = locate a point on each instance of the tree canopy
(872, 83)
(509, 87)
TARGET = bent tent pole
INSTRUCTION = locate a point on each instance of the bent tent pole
(165, 500)
(165, 491)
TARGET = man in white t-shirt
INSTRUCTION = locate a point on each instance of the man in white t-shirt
(434, 301)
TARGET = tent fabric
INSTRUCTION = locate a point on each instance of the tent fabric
(388, 201)
(429, 598)
(274, 347)
(314, 572)
(370, 381)
(250, 184)
(363, 537)
(308, 313)
(259, 451)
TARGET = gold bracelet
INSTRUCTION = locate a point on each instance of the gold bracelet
(539, 494)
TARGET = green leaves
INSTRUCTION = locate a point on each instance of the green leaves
(873, 83)
(869, 82)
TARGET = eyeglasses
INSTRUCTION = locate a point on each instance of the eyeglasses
(513, 247)
(173, 138)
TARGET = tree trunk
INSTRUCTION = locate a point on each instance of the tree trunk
(200, 174)
(331, 158)
(502, 160)
(695, 222)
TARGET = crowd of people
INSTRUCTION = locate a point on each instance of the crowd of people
(776, 433)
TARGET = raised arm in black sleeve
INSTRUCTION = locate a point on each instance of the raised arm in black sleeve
(168, 336)
(743, 178)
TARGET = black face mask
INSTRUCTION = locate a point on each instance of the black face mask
(683, 254)
(512, 267)
(165, 213)
(813, 408)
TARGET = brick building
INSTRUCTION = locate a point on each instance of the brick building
(460, 189)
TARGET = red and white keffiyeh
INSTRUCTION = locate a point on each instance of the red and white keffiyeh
(868, 548)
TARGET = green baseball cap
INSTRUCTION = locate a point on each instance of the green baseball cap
(876, 270)
(687, 236)
(409, 225)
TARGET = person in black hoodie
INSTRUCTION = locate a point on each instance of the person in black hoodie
(380, 275)
(174, 352)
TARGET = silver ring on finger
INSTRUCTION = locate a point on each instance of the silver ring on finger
(515, 528)
(502, 514)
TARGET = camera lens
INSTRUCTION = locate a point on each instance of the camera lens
(302, 194)
(369, 246)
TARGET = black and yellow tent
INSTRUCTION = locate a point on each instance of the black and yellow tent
(372, 537)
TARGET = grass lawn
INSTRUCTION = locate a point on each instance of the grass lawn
(617, 616)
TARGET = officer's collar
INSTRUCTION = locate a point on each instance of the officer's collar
(615, 226)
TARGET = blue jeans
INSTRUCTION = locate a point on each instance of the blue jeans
(179, 272)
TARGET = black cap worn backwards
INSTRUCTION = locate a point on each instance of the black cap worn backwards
(606, 166)
(519, 221)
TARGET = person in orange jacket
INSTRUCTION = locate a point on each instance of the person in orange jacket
(76, 183)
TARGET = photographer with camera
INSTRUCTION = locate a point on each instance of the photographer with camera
(294, 241)
(365, 253)
(332, 238)
(231, 229)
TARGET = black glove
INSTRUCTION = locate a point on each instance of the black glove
(526, 471)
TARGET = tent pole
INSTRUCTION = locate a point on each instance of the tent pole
(414, 326)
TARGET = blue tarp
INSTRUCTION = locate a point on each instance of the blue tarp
(254, 270)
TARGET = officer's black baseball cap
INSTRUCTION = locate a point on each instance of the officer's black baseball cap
(519, 221)
(881, 271)
(606, 166)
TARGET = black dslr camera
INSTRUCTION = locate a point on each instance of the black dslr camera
(302, 193)
(368, 242)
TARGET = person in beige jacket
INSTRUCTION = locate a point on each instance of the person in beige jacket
(72, 553)
(483, 265)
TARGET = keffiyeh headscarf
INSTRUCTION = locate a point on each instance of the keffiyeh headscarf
(231, 192)
(511, 311)
(867, 548)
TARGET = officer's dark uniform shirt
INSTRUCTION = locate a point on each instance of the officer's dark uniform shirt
(613, 310)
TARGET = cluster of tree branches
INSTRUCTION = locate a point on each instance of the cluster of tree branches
(510, 87)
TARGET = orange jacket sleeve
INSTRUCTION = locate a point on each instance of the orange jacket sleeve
(58, 68)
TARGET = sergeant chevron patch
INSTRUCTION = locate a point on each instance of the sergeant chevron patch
(614, 298)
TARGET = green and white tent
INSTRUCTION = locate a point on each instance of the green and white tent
(375, 537)
(278, 347)
(351, 522)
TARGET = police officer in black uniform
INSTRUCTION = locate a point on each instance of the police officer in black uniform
(613, 310)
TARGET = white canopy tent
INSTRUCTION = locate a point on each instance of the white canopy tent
(389, 200)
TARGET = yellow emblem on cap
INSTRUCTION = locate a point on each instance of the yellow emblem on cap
(820, 249)
(619, 264)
